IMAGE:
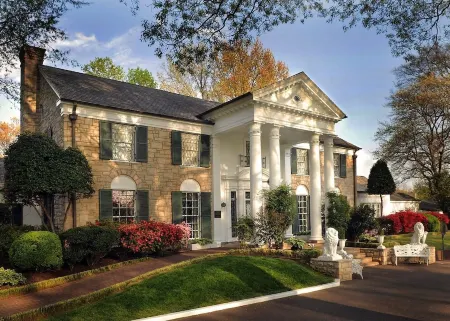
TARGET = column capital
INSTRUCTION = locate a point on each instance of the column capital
(275, 132)
(315, 138)
(255, 129)
(328, 141)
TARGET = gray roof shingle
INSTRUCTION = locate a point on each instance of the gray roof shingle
(83, 88)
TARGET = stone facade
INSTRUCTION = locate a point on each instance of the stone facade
(345, 185)
(340, 269)
(158, 175)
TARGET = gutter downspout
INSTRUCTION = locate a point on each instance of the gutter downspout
(355, 194)
(73, 118)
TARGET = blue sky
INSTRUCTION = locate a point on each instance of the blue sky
(354, 68)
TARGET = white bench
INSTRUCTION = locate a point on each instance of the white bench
(412, 250)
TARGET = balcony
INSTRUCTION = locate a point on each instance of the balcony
(244, 161)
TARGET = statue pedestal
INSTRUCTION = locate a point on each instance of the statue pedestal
(326, 257)
(340, 269)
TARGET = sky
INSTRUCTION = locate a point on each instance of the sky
(353, 68)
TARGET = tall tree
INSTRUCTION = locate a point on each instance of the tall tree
(416, 138)
(141, 77)
(105, 67)
(8, 134)
(380, 181)
(234, 71)
(176, 27)
(31, 22)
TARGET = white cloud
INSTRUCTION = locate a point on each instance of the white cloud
(364, 162)
(80, 40)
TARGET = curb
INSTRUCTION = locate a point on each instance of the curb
(240, 303)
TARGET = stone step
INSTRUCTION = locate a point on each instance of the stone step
(352, 250)
(366, 260)
(358, 255)
(370, 264)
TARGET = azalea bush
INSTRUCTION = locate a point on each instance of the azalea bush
(147, 237)
(403, 222)
(441, 217)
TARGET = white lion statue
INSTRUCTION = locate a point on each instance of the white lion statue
(419, 235)
(330, 246)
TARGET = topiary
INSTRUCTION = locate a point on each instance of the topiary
(434, 225)
(39, 250)
(338, 213)
(9, 234)
(11, 277)
(88, 244)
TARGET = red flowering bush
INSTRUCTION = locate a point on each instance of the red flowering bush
(153, 237)
(402, 222)
(441, 217)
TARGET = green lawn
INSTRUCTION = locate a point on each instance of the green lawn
(433, 239)
(208, 282)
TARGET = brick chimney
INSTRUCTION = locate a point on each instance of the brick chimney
(30, 60)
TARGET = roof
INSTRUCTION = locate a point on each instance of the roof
(337, 141)
(403, 197)
(429, 205)
(82, 88)
(362, 180)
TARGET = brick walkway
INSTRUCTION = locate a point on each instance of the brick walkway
(22, 303)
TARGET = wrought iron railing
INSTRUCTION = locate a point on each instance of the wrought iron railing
(245, 161)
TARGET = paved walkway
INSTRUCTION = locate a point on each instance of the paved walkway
(387, 293)
(15, 304)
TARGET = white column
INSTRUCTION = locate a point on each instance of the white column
(219, 223)
(274, 159)
(255, 167)
(315, 198)
(329, 164)
(287, 166)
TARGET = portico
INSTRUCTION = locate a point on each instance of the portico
(257, 132)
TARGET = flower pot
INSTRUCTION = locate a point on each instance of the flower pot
(342, 244)
(380, 242)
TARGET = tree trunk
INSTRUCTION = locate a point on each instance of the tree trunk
(381, 205)
(44, 210)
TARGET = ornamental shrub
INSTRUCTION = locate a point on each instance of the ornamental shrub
(433, 223)
(11, 277)
(245, 229)
(402, 222)
(8, 234)
(441, 217)
(39, 250)
(338, 213)
(361, 220)
(88, 244)
(147, 237)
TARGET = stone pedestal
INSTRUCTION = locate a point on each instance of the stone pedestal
(340, 269)
(387, 256)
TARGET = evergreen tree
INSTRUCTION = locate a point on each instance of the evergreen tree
(380, 181)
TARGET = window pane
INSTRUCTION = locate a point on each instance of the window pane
(336, 165)
(302, 162)
(123, 142)
(123, 206)
(189, 146)
(191, 212)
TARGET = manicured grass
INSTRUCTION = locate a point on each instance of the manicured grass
(209, 282)
(433, 239)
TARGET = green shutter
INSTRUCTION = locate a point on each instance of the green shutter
(205, 143)
(142, 205)
(141, 144)
(343, 165)
(105, 140)
(206, 215)
(105, 201)
(177, 210)
(176, 148)
(293, 160)
(295, 222)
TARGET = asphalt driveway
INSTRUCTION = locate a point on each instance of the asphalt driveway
(402, 293)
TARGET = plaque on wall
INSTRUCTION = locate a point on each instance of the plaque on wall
(217, 214)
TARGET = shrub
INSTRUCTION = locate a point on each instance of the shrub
(338, 213)
(39, 250)
(361, 220)
(441, 217)
(153, 237)
(296, 243)
(9, 234)
(433, 223)
(402, 222)
(201, 241)
(245, 229)
(88, 244)
(11, 277)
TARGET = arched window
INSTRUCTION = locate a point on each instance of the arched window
(123, 198)
(302, 209)
(191, 206)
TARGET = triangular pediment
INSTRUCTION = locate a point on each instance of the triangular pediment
(298, 92)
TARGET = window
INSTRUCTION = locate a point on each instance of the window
(191, 212)
(123, 142)
(376, 207)
(303, 213)
(123, 205)
(248, 204)
(302, 162)
(340, 165)
(190, 151)
(337, 165)
(233, 213)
